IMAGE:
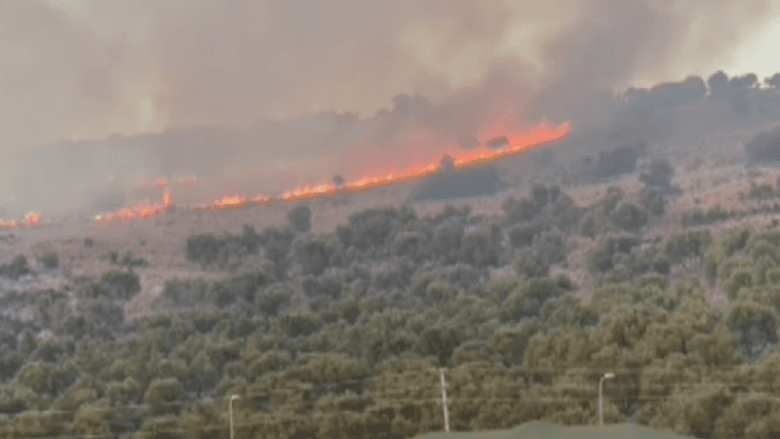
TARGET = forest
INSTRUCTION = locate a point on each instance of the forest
(342, 335)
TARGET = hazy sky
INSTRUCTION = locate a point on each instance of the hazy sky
(82, 70)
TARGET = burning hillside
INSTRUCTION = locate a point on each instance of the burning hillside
(513, 145)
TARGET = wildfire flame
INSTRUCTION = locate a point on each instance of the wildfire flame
(8, 224)
(31, 219)
(516, 144)
(140, 211)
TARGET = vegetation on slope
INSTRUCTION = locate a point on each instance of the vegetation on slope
(341, 335)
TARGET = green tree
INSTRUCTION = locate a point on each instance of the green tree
(750, 416)
(755, 324)
(164, 396)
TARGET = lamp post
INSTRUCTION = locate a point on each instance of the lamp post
(231, 414)
(601, 399)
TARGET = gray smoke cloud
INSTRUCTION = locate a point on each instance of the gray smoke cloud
(256, 96)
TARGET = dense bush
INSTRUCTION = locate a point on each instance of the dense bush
(372, 227)
(629, 217)
(50, 260)
(315, 255)
(520, 211)
(602, 259)
(16, 269)
(658, 176)
(326, 354)
(523, 235)
(684, 246)
(121, 285)
(697, 218)
(300, 218)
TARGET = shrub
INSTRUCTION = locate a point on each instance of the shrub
(481, 248)
(313, 255)
(203, 248)
(50, 260)
(329, 287)
(544, 196)
(653, 202)
(300, 218)
(269, 302)
(760, 249)
(738, 280)
(734, 241)
(121, 285)
(451, 211)
(588, 226)
(414, 244)
(528, 299)
(602, 259)
(612, 198)
(628, 216)
(523, 235)
(762, 192)
(16, 269)
(658, 175)
(372, 227)
(697, 218)
(551, 247)
(129, 262)
(772, 276)
(88, 242)
(242, 288)
(688, 245)
(531, 264)
(662, 264)
(447, 239)
(711, 266)
(520, 211)
(564, 213)
(300, 323)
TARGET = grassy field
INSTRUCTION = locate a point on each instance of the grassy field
(543, 430)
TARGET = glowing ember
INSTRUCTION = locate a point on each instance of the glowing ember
(166, 199)
(32, 219)
(8, 224)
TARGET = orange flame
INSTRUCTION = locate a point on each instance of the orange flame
(516, 144)
(140, 211)
(32, 219)
(162, 183)
(8, 224)
(166, 199)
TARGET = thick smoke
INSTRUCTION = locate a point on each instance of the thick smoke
(255, 96)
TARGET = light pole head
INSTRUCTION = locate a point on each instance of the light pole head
(609, 375)
(233, 397)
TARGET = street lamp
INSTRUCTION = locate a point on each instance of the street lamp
(231, 414)
(601, 405)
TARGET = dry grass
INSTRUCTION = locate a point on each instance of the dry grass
(705, 183)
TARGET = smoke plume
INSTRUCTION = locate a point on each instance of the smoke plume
(261, 96)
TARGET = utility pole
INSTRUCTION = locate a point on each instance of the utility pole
(444, 401)
(607, 375)
(232, 398)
